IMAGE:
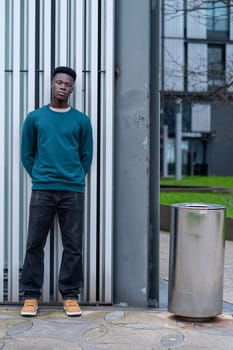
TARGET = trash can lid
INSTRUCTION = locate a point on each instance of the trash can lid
(198, 206)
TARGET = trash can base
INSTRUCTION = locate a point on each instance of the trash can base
(195, 319)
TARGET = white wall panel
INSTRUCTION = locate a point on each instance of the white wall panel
(173, 18)
(201, 117)
(197, 72)
(229, 66)
(174, 64)
(196, 19)
(231, 22)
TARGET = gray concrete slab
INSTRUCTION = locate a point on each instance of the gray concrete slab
(112, 328)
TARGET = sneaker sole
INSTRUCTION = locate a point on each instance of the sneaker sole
(72, 313)
(28, 313)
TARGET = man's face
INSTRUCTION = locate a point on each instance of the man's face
(62, 86)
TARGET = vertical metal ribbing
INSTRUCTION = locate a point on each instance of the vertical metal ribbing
(28, 65)
(45, 64)
(45, 75)
(87, 55)
(106, 154)
(8, 140)
(79, 49)
(28, 104)
(61, 58)
(92, 111)
(23, 110)
(30, 51)
(79, 52)
(71, 37)
(61, 32)
(102, 142)
(86, 81)
(15, 161)
(2, 150)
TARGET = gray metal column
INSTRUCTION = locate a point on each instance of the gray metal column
(132, 153)
(154, 193)
(178, 147)
(165, 150)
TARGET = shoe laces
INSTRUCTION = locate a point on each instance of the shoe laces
(29, 303)
(72, 303)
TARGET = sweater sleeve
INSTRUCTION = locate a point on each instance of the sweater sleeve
(28, 144)
(86, 145)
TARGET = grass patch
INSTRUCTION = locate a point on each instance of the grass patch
(222, 181)
(224, 199)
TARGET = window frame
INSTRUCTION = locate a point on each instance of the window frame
(215, 74)
(213, 32)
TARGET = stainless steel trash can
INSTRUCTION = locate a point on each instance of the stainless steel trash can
(196, 260)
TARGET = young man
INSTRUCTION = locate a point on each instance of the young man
(56, 151)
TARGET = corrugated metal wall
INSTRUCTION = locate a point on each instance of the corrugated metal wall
(36, 36)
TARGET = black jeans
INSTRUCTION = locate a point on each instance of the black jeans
(69, 208)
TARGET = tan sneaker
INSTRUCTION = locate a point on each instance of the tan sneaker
(30, 307)
(71, 307)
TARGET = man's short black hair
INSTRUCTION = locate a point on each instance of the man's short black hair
(65, 70)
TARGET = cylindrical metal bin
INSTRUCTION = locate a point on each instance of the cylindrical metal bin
(196, 260)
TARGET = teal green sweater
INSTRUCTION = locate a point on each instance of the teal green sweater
(56, 149)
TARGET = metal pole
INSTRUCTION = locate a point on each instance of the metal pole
(165, 149)
(153, 259)
(178, 158)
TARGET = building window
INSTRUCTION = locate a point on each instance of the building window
(216, 66)
(218, 19)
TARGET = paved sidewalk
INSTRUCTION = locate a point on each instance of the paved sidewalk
(117, 328)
